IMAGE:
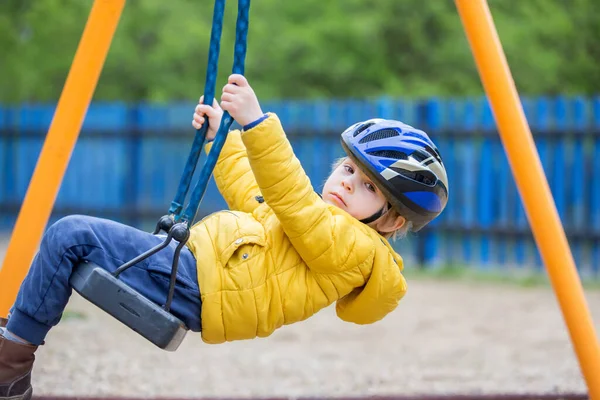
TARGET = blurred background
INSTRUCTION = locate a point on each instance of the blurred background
(321, 65)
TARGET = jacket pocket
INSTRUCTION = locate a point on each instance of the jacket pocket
(242, 250)
(244, 242)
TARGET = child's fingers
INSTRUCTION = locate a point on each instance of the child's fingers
(226, 105)
(231, 88)
(237, 79)
(198, 121)
(228, 97)
(202, 109)
(215, 103)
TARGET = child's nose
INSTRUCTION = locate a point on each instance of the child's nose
(347, 185)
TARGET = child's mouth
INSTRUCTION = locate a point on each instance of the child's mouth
(338, 199)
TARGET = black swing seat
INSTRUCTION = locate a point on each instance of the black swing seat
(128, 306)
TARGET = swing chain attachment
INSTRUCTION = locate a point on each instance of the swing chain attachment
(178, 232)
(165, 223)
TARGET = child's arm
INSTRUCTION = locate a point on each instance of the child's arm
(232, 172)
(233, 175)
(326, 237)
(328, 240)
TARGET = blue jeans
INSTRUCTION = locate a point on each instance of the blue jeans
(45, 291)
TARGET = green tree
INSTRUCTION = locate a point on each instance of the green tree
(301, 49)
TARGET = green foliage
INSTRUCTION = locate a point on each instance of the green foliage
(301, 49)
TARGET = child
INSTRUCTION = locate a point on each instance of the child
(281, 255)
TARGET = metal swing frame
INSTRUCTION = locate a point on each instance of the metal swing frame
(105, 289)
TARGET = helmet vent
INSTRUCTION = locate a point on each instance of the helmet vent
(395, 154)
(424, 177)
(434, 152)
(362, 128)
(419, 156)
(377, 135)
(418, 136)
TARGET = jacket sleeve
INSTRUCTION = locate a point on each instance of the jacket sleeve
(233, 175)
(312, 225)
(379, 296)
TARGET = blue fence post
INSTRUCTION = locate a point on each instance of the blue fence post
(467, 123)
(559, 162)
(444, 140)
(132, 185)
(578, 167)
(486, 182)
(579, 163)
(385, 108)
(451, 215)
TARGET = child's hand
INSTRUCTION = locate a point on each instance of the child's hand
(214, 114)
(240, 101)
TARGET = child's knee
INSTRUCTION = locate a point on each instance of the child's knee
(68, 230)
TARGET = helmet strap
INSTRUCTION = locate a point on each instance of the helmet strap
(377, 215)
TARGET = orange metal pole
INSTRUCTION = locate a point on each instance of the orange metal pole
(58, 147)
(533, 185)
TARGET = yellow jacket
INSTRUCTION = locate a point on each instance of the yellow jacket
(278, 261)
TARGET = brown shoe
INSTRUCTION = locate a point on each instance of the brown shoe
(16, 363)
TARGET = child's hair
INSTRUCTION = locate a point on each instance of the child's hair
(388, 214)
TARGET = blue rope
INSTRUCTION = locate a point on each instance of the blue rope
(238, 68)
(209, 95)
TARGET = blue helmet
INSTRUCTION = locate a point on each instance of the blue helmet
(404, 164)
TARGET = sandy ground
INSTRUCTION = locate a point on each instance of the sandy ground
(445, 338)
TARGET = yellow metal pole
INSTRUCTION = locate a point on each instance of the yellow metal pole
(533, 185)
(58, 146)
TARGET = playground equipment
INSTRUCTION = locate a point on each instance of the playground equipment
(115, 297)
(499, 86)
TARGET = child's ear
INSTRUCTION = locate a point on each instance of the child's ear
(391, 224)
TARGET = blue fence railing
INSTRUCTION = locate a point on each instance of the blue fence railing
(128, 160)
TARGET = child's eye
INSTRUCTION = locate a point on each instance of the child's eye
(348, 169)
(371, 187)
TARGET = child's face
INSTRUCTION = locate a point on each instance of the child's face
(351, 190)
